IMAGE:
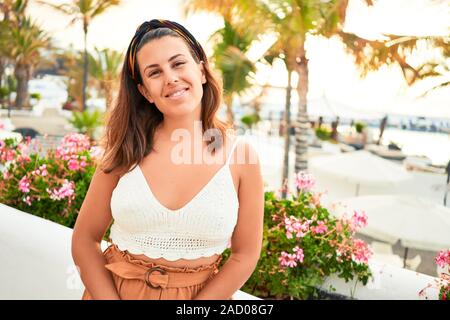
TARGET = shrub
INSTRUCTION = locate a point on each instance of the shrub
(36, 96)
(51, 184)
(250, 119)
(359, 126)
(323, 133)
(303, 244)
(87, 122)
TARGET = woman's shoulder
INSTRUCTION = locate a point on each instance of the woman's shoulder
(114, 172)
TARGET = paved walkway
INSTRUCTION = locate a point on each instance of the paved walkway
(50, 122)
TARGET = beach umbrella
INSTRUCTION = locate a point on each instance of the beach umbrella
(416, 222)
(361, 168)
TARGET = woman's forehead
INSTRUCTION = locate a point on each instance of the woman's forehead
(160, 50)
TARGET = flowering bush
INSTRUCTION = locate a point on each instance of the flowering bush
(443, 261)
(303, 244)
(443, 282)
(48, 184)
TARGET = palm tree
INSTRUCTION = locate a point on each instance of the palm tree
(229, 57)
(11, 10)
(25, 42)
(72, 70)
(231, 44)
(84, 11)
(104, 68)
(3, 40)
(293, 21)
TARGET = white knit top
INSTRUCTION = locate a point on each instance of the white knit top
(201, 228)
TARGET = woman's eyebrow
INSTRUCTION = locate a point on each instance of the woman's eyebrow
(157, 65)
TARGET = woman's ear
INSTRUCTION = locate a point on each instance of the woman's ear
(202, 69)
(144, 92)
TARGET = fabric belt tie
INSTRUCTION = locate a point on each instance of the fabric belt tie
(158, 276)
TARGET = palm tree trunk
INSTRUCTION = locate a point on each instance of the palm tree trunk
(2, 70)
(287, 140)
(22, 75)
(302, 123)
(229, 103)
(85, 67)
(108, 95)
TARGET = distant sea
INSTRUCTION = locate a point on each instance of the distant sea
(434, 145)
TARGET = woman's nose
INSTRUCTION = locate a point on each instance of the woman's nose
(171, 77)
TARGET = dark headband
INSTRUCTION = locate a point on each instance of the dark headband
(160, 23)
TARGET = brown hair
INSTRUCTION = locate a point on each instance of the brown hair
(132, 121)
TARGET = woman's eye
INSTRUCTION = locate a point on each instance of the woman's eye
(151, 74)
(177, 64)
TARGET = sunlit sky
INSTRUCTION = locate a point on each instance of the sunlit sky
(332, 72)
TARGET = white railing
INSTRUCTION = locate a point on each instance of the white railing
(36, 263)
(36, 260)
(387, 283)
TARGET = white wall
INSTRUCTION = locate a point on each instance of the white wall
(388, 283)
(36, 263)
(36, 260)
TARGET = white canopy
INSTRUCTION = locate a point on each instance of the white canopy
(360, 167)
(417, 222)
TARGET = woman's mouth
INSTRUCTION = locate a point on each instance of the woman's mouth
(177, 94)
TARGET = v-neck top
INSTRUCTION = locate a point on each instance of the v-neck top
(201, 228)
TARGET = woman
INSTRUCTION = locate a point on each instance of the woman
(172, 217)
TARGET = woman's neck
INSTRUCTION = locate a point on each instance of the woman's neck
(188, 126)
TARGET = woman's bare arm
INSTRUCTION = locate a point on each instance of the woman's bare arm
(93, 220)
(246, 242)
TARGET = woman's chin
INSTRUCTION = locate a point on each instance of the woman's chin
(180, 111)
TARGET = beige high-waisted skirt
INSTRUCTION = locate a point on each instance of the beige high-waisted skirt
(136, 279)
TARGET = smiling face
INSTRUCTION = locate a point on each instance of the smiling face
(171, 78)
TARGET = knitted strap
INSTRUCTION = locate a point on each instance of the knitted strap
(232, 149)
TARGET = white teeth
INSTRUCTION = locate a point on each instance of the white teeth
(178, 93)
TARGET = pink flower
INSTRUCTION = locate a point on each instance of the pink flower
(287, 260)
(42, 171)
(24, 149)
(66, 191)
(27, 200)
(7, 155)
(24, 184)
(72, 144)
(321, 228)
(359, 219)
(73, 164)
(304, 181)
(443, 258)
(299, 254)
(361, 251)
(291, 259)
(294, 225)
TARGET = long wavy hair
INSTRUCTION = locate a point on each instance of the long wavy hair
(132, 121)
